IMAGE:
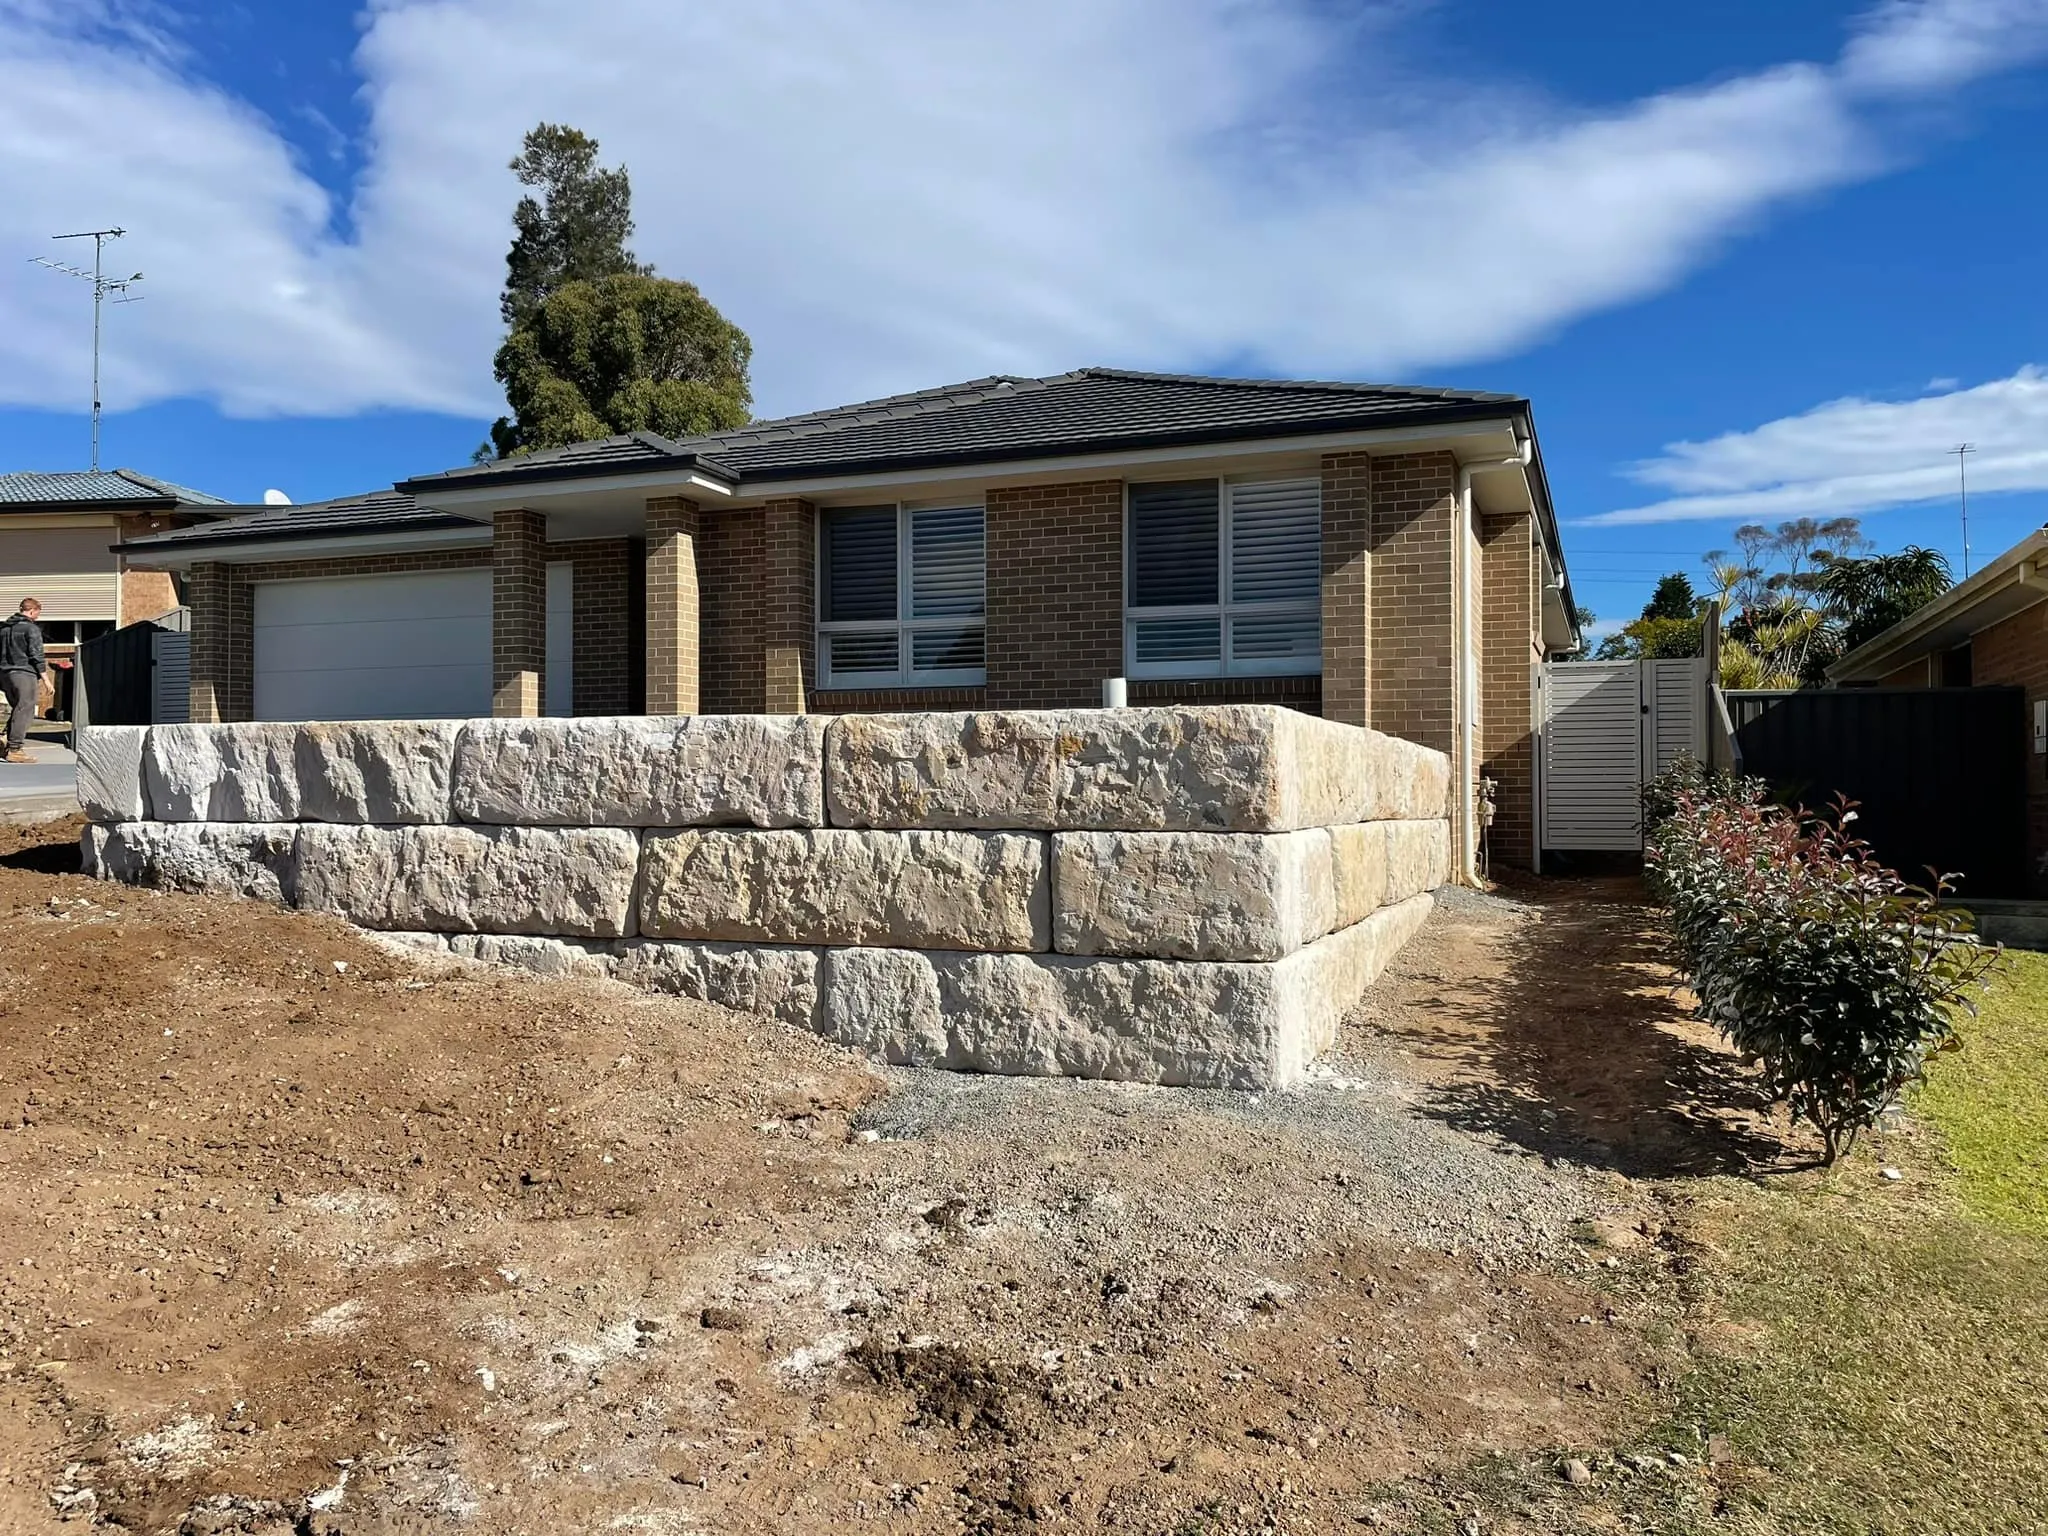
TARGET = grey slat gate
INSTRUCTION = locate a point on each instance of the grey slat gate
(1607, 727)
(171, 678)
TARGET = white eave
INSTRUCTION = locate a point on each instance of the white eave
(183, 555)
(2014, 582)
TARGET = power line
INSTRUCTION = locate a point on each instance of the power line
(102, 285)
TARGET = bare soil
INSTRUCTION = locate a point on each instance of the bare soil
(299, 1235)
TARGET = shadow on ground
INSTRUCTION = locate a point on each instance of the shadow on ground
(1580, 1044)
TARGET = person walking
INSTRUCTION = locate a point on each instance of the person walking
(21, 675)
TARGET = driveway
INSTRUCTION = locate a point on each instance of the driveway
(42, 789)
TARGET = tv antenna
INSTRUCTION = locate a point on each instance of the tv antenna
(102, 285)
(1962, 451)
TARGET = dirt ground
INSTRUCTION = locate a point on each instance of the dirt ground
(299, 1235)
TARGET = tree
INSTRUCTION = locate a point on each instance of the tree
(1868, 596)
(622, 354)
(1670, 626)
(576, 231)
(1673, 599)
(596, 344)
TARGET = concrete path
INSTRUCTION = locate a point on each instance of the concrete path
(42, 789)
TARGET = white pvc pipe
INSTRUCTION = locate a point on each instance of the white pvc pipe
(1115, 693)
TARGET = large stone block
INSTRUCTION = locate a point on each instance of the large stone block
(1201, 1023)
(925, 890)
(222, 772)
(217, 859)
(1418, 857)
(382, 772)
(567, 881)
(1191, 895)
(775, 981)
(109, 772)
(634, 771)
(1226, 768)
(544, 957)
(1358, 871)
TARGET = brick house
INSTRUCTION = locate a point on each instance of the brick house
(1991, 630)
(57, 532)
(1384, 556)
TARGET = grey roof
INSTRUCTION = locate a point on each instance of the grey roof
(374, 512)
(86, 486)
(1001, 418)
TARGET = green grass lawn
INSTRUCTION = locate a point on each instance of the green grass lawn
(1870, 1356)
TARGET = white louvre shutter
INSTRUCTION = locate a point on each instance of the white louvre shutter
(1276, 542)
(1276, 573)
(947, 563)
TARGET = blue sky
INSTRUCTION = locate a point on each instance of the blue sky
(1748, 260)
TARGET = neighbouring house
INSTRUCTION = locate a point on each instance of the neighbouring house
(1991, 630)
(57, 538)
(1383, 556)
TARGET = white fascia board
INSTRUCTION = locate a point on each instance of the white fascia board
(481, 501)
(340, 547)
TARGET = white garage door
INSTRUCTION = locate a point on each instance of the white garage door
(374, 647)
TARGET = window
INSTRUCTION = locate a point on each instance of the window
(1225, 579)
(900, 596)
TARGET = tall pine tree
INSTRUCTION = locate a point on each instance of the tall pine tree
(596, 344)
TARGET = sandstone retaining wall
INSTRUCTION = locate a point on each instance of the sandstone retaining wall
(1189, 895)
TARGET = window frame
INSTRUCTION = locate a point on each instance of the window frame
(1224, 609)
(904, 675)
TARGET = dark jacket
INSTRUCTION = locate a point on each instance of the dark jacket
(21, 645)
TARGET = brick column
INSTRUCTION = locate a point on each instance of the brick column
(1412, 619)
(789, 604)
(519, 612)
(672, 609)
(1510, 650)
(1347, 588)
(223, 644)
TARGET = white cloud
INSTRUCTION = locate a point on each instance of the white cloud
(1855, 456)
(905, 192)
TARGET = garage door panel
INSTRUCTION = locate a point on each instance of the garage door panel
(374, 647)
(383, 643)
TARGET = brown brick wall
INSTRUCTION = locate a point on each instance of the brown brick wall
(519, 606)
(1508, 653)
(2014, 653)
(1303, 693)
(1347, 587)
(602, 623)
(673, 614)
(1055, 594)
(789, 603)
(144, 593)
(1412, 654)
(730, 581)
(873, 701)
(1919, 673)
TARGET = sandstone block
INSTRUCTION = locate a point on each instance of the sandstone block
(1226, 768)
(109, 772)
(408, 944)
(775, 981)
(544, 957)
(568, 881)
(1358, 870)
(1192, 895)
(222, 772)
(1418, 857)
(237, 859)
(926, 890)
(1203, 1023)
(381, 772)
(634, 771)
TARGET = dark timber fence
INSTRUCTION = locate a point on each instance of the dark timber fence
(1938, 774)
(118, 670)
